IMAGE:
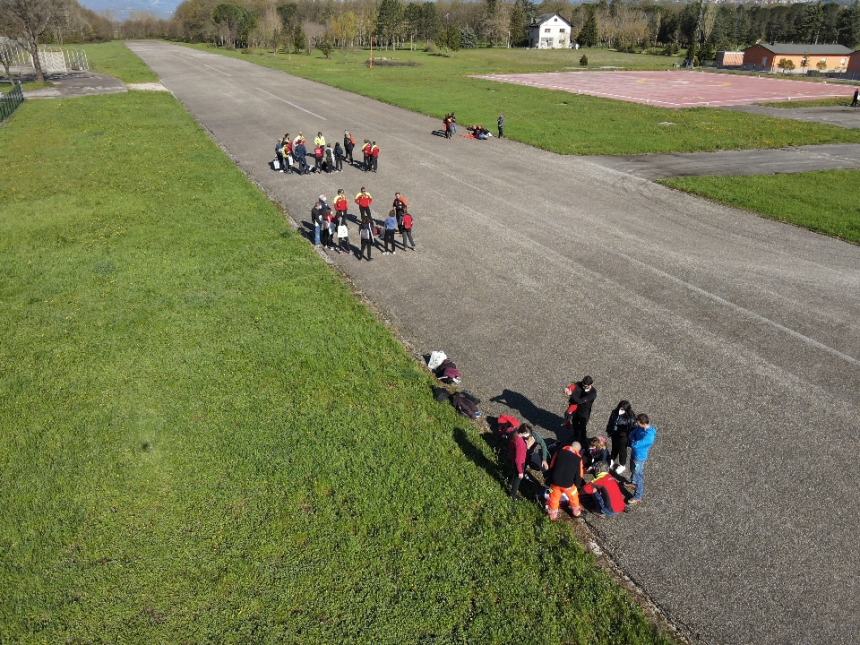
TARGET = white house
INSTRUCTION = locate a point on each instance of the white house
(549, 31)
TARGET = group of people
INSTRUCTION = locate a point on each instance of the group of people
(331, 225)
(477, 130)
(576, 465)
(292, 154)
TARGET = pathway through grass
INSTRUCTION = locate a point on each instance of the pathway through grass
(204, 436)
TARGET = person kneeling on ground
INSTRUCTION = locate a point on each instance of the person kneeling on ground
(566, 473)
(606, 491)
(598, 454)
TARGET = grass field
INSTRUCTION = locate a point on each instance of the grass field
(556, 121)
(116, 59)
(824, 201)
(844, 101)
(207, 437)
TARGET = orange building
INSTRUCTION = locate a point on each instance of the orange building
(823, 58)
(854, 64)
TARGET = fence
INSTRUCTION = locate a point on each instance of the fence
(10, 102)
(54, 60)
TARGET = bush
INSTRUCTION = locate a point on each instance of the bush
(468, 38)
(583, 61)
(430, 47)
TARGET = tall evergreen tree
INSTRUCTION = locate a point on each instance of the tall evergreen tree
(388, 20)
(849, 26)
(588, 34)
(522, 14)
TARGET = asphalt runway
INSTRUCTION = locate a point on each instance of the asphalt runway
(738, 335)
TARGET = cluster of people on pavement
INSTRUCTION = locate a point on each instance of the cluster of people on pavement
(291, 154)
(576, 467)
(476, 131)
(330, 224)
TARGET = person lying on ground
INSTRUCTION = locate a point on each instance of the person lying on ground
(598, 454)
(606, 492)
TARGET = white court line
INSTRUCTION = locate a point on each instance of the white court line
(298, 107)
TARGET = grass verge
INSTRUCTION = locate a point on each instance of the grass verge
(206, 437)
(823, 201)
(553, 120)
(834, 101)
(115, 59)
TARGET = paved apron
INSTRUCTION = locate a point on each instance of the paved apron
(738, 335)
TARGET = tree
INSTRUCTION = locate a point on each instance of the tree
(388, 20)
(323, 43)
(811, 23)
(468, 38)
(288, 13)
(849, 26)
(588, 34)
(235, 23)
(27, 21)
(785, 64)
(521, 16)
(300, 41)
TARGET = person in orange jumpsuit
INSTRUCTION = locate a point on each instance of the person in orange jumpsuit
(566, 474)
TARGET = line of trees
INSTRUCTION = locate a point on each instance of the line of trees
(700, 27)
(627, 25)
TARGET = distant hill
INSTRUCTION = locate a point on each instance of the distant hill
(122, 9)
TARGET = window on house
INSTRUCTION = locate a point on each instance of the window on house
(547, 30)
(561, 30)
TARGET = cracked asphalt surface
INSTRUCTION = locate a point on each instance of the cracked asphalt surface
(738, 335)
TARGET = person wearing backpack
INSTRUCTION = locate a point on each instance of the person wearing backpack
(407, 231)
(365, 233)
(641, 441)
(348, 146)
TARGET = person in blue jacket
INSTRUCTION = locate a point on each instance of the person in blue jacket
(641, 440)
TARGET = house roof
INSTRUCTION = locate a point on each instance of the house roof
(801, 49)
(545, 17)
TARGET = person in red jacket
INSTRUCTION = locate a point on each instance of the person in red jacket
(374, 156)
(364, 199)
(607, 493)
(408, 222)
(518, 449)
(566, 473)
(365, 150)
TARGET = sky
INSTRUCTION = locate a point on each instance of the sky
(122, 9)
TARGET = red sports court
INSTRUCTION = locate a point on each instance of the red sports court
(677, 89)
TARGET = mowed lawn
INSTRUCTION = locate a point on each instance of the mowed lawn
(116, 59)
(204, 436)
(824, 201)
(557, 121)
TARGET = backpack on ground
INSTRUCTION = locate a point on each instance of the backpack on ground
(466, 406)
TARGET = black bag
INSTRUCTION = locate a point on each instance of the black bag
(441, 394)
(466, 406)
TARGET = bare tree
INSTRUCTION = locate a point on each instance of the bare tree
(27, 21)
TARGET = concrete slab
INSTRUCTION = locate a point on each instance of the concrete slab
(842, 116)
(739, 335)
(78, 84)
(737, 162)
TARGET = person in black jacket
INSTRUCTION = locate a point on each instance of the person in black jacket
(348, 145)
(566, 475)
(620, 425)
(581, 396)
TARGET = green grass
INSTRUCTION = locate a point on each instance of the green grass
(844, 101)
(115, 59)
(204, 436)
(553, 120)
(824, 201)
(5, 88)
